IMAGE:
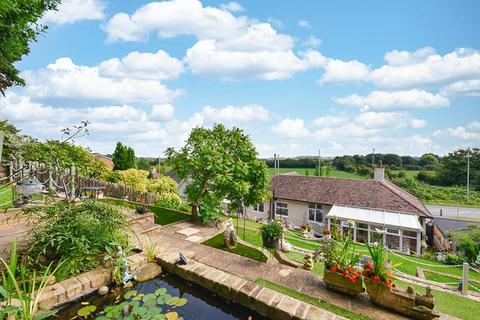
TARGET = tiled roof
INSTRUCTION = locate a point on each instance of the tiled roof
(349, 192)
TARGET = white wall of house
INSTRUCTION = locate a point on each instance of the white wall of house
(255, 213)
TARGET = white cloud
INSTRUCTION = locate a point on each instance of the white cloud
(162, 111)
(70, 11)
(150, 66)
(382, 100)
(419, 142)
(304, 24)
(232, 6)
(338, 71)
(328, 121)
(469, 133)
(239, 114)
(175, 17)
(463, 87)
(425, 68)
(312, 42)
(291, 128)
(418, 123)
(232, 65)
(64, 79)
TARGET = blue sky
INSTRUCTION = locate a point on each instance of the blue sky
(298, 76)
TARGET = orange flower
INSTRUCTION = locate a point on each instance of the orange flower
(389, 283)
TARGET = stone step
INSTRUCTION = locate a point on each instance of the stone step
(143, 219)
(151, 227)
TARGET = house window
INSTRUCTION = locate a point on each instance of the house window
(281, 208)
(315, 212)
(392, 239)
(258, 207)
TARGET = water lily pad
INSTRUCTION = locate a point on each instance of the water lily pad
(139, 297)
(150, 303)
(160, 291)
(159, 317)
(130, 294)
(181, 302)
(173, 301)
(171, 315)
(161, 300)
(102, 318)
(140, 311)
(86, 311)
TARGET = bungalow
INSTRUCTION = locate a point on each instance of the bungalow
(374, 204)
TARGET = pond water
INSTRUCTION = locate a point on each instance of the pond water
(165, 297)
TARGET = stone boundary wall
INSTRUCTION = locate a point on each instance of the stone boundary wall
(265, 301)
(74, 288)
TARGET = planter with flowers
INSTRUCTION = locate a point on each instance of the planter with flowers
(271, 233)
(383, 292)
(340, 273)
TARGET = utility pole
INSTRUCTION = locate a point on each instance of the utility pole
(468, 174)
(373, 158)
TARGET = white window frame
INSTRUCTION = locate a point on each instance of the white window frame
(280, 205)
(318, 209)
(256, 207)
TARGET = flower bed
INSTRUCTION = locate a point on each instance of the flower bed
(337, 281)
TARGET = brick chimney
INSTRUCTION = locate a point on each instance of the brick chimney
(379, 172)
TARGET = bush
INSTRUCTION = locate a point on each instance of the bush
(469, 249)
(427, 177)
(75, 233)
(271, 232)
(453, 258)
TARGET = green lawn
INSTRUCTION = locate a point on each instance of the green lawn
(163, 216)
(6, 197)
(408, 173)
(311, 300)
(240, 249)
(333, 172)
(449, 303)
(298, 257)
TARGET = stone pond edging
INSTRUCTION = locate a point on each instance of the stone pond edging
(265, 301)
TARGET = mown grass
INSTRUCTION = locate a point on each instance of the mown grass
(249, 252)
(311, 300)
(6, 197)
(333, 172)
(449, 303)
(163, 216)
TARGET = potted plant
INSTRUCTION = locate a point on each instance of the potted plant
(341, 273)
(271, 233)
(383, 292)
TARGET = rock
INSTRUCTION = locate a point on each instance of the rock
(51, 280)
(147, 271)
(230, 238)
(103, 290)
(308, 262)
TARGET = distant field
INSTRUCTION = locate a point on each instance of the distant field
(409, 173)
(333, 172)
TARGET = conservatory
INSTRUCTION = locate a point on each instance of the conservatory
(400, 231)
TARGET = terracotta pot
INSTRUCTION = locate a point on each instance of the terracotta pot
(337, 282)
(400, 300)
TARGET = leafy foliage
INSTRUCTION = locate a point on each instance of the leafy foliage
(220, 163)
(123, 157)
(271, 231)
(19, 25)
(75, 233)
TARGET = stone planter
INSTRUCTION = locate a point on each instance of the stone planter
(271, 243)
(404, 301)
(335, 281)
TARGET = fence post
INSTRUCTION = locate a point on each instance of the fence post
(465, 278)
(72, 181)
(50, 177)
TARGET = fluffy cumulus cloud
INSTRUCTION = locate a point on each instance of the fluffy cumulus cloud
(64, 79)
(151, 66)
(312, 41)
(397, 119)
(403, 99)
(463, 87)
(291, 128)
(304, 24)
(235, 114)
(162, 111)
(232, 6)
(339, 71)
(70, 11)
(228, 47)
(328, 121)
(468, 133)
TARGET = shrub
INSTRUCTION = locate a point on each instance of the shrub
(271, 232)
(75, 233)
(469, 249)
(453, 258)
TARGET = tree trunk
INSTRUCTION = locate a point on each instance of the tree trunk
(195, 213)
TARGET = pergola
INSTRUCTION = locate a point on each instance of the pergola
(401, 231)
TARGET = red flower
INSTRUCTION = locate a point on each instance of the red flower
(389, 283)
(335, 267)
(376, 278)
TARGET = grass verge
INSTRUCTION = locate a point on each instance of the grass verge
(311, 300)
(6, 197)
(242, 250)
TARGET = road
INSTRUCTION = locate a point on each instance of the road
(454, 212)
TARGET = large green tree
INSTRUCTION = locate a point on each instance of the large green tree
(220, 163)
(123, 157)
(19, 26)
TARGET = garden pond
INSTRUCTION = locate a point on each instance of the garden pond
(165, 297)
